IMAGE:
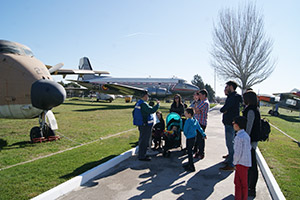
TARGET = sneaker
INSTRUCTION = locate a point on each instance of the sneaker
(189, 169)
(227, 168)
(225, 156)
(196, 155)
(251, 193)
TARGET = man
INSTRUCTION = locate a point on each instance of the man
(144, 120)
(230, 110)
(201, 111)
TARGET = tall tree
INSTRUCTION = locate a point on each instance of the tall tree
(211, 93)
(240, 50)
(199, 82)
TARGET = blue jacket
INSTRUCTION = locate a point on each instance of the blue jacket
(142, 113)
(191, 126)
(231, 108)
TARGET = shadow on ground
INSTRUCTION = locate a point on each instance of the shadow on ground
(87, 167)
(162, 174)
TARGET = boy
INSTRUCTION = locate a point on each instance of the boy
(191, 126)
(241, 157)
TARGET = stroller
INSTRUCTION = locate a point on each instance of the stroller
(172, 136)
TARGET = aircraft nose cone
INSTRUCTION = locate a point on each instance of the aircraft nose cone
(46, 94)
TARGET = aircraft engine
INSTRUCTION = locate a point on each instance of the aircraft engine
(158, 92)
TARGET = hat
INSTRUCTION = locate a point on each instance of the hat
(145, 93)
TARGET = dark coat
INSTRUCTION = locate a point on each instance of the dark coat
(179, 110)
(231, 108)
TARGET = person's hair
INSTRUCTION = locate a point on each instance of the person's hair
(250, 98)
(144, 93)
(174, 102)
(159, 112)
(233, 84)
(204, 92)
(240, 121)
(190, 111)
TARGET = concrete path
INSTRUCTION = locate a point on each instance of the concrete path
(164, 178)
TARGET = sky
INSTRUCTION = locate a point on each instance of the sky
(147, 38)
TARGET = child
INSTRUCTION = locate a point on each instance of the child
(241, 157)
(191, 126)
(157, 131)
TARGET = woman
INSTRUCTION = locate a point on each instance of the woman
(251, 112)
(177, 105)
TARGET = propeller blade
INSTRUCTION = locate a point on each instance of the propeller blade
(55, 67)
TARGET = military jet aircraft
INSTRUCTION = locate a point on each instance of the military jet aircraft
(27, 89)
(159, 88)
(288, 100)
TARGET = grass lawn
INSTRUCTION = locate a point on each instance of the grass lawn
(80, 121)
(281, 153)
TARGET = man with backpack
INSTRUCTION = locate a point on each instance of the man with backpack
(230, 110)
(144, 120)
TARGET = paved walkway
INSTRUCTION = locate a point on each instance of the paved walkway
(164, 178)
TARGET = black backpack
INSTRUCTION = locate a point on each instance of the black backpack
(265, 130)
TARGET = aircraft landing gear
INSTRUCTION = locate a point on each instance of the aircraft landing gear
(273, 113)
(43, 132)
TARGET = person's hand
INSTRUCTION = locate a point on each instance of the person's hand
(158, 102)
(205, 137)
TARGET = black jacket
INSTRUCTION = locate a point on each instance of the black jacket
(179, 110)
(231, 108)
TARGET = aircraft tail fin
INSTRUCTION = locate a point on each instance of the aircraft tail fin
(84, 64)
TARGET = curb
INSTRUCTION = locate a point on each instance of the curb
(80, 180)
(269, 178)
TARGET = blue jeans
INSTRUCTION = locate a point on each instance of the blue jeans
(229, 137)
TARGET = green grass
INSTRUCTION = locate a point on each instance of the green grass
(80, 121)
(281, 153)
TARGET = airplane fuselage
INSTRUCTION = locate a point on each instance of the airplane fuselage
(157, 87)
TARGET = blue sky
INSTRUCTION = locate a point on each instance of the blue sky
(143, 38)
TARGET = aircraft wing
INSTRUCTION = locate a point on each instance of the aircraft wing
(125, 89)
(289, 94)
(112, 88)
(65, 72)
(268, 98)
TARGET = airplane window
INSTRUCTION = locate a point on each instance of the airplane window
(28, 52)
(9, 49)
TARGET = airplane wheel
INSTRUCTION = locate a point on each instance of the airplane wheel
(35, 132)
(271, 112)
(47, 131)
(276, 114)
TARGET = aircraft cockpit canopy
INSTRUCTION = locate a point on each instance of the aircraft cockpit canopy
(182, 81)
(14, 48)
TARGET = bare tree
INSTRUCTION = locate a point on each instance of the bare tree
(240, 49)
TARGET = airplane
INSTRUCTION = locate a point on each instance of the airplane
(287, 100)
(27, 89)
(158, 88)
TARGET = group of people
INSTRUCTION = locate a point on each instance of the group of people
(241, 132)
(241, 135)
(194, 125)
